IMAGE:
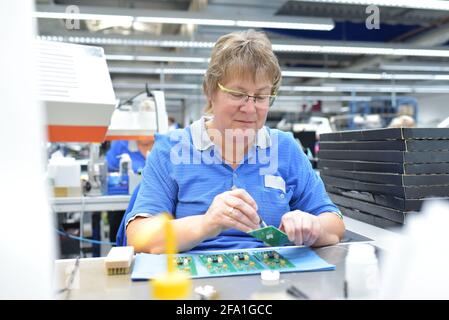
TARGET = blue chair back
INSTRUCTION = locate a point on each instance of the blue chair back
(121, 232)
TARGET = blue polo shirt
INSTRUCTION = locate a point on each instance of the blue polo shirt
(118, 148)
(183, 174)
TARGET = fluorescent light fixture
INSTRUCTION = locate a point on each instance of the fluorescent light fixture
(284, 25)
(431, 89)
(352, 75)
(357, 49)
(372, 88)
(350, 48)
(190, 86)
(129, 42)
(120, 57)
(323, 98)
(421, 52)
(157, 58)
(428, 4)
(207, 22)
(158, 70)
(415, 66)
(165, 86)
(308, 88)
(441, 77)
(369, 87)
(182, 17)
(326, 87)
(290, 73)
(362, 75)
(176, 96)
(83, 16)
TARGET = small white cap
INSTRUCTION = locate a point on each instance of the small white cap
(270, 276)
(206, 292)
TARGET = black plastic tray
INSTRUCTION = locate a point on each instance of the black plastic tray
(370, 219)
(387, 134)
(398, 145)
(374, 209)
(382, 199)
(388, 167)
(390, 178)
(386, 156)
(406, 192)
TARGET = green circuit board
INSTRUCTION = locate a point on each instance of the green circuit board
(243, 261)
(186, 264)
(273, 260)
(271, 236)
(216, 263)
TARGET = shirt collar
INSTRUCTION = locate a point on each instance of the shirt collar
(202, 142)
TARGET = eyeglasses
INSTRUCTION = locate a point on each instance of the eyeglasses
(261, 100)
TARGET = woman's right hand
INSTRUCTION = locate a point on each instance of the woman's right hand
(231, 209)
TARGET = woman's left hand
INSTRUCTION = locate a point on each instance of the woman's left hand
(302, 228)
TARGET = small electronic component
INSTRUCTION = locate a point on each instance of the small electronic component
(273, 260)
(119, 260)
(271, 236)
(243, 261)
(217, 263)
(186, 264)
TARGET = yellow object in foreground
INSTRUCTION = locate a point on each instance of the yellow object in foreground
(172, 284)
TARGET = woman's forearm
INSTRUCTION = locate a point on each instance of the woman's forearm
(189, 231)
(333, 229)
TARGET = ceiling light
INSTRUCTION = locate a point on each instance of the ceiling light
(165, 86)
(415, 66)
(290, 73)
(210, 22)
(157, 58)
(84, 16)
(157, 70)
(352, 48)
(428, 4)
(326, 87)
(308, 88)
(182, 17)
(323, 98)
(176, 96)
(307, 47)
(369, 87)
(285, 25)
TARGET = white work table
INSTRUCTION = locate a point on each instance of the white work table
(92, 282)
(90, 203)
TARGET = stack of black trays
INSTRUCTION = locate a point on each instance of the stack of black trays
(380, 176)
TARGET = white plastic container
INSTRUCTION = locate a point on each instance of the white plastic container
(362, 272)
(64, 174)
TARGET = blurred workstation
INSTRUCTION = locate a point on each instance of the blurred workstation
(92, 85)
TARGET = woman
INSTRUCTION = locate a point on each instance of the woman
(136, 149)
(224, 174)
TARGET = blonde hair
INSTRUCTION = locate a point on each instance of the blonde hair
(238, 54)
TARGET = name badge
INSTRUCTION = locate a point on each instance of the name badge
(275, 182)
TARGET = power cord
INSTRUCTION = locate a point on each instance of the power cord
(71, 236)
